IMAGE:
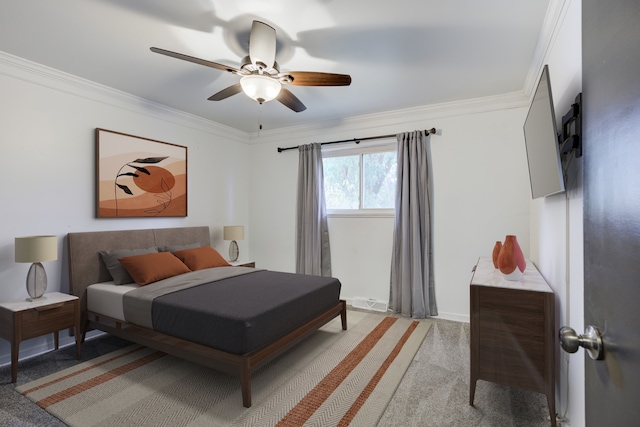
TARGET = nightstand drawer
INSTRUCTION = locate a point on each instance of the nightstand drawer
(44, 320)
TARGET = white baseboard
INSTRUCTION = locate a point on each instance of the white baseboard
(465, 318)
(456, 317)
(43, 345)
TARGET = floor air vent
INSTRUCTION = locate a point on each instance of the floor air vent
(369, 304)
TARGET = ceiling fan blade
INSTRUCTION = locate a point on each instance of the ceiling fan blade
(311, 78)
(290, 100)
(225, 93)
(262, 45)
(196, 60)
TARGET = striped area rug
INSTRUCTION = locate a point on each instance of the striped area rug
(333, 378)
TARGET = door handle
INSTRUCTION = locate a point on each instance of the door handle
(591, 341)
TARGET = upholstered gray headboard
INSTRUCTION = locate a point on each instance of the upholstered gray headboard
(86, 266)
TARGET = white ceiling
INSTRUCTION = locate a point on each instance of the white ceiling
(399, 53)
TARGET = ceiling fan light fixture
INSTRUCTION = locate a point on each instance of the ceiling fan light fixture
(260, 87)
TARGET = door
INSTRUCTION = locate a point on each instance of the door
(611, 162)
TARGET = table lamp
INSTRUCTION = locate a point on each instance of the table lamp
(233, 233)
(36, 249)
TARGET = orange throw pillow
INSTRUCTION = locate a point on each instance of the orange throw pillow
(148, 268)
(201, 258)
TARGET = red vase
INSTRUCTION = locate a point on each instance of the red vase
(496, 252)
(511, 260)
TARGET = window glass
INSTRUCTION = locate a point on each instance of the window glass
(379, 180)
(342, 182)
(360, 179)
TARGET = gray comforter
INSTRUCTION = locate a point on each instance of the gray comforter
(138, 303)
(235, 309)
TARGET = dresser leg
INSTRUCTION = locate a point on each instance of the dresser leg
(472, 391)
(551, 401)
(15, 350)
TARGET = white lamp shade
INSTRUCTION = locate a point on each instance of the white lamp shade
(36, 248)
(260, 88)
(233, 232)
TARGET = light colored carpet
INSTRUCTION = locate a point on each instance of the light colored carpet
(334, 377)
(435, 389)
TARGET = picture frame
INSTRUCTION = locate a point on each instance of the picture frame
(139, 177)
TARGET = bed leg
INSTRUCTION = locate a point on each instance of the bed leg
(343, 315)
(84, 325)
(245, 384)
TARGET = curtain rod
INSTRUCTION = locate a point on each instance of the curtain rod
(356, 140)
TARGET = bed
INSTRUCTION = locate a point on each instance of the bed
(251, 315)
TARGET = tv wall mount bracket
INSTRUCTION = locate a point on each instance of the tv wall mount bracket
(570, 136)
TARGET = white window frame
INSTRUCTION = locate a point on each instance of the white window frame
(385, 145)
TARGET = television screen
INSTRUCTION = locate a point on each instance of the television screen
(541, 141)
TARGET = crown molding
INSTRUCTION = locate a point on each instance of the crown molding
(38, 74)
(22, 69)
(556, 12)
(371, 124)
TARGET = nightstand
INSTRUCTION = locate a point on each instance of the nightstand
(251, 264)
(21, 320)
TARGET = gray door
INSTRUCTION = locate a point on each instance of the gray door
(611, 135)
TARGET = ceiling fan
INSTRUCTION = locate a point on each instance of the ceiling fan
(261, 78)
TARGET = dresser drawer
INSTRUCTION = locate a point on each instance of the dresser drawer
(44, 320)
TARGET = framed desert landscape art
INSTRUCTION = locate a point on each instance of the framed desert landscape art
(139, 177)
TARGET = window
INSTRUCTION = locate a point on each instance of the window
(360, 179)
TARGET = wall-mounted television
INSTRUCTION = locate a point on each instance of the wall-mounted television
(541, 141)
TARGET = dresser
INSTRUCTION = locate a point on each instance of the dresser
(513, 338)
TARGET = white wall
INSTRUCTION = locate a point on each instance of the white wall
(47, 123)
(361, 255)
(481, 194)
(556, 221)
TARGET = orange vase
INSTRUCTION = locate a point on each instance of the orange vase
(496, 252)
(511, 260)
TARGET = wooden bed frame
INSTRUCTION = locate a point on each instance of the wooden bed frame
(86, 268)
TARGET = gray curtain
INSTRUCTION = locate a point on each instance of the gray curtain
(412, 289)
(313, 255)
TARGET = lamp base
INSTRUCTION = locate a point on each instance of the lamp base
(233, 251)
(36, 281)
